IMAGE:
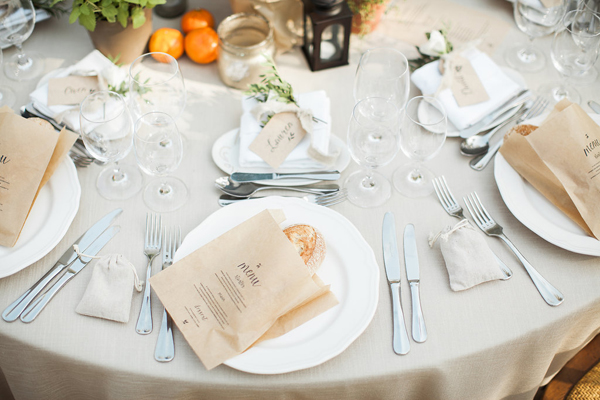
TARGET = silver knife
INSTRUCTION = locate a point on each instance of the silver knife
(12, 312)
(411, 261)
(594, 106)
(33, 310)
(508, 106)
(317, 175)
(391, 260)
(165, 346)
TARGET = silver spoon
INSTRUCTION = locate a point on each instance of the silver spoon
(477, 144)
(248, 189)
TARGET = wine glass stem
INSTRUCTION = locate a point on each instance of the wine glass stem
(118, 175)
(368, 182)
(415, 174)
(165, 189)
(22, 59)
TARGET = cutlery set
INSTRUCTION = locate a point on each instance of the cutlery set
(391, 259)
(490, 227)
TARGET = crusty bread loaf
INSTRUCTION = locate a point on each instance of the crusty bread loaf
(310, 244)
(524, 130)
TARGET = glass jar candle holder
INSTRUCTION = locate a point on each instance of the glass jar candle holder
(244, 41)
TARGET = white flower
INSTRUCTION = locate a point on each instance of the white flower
(114, 75)
(435, 46)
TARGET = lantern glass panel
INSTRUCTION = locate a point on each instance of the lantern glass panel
(332, 41)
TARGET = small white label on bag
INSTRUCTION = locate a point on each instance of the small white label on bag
(71, 90)
(278, 138)
(466, 85)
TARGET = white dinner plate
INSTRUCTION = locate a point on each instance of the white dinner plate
(349, 267)
(226, 153)
(48, 221)
(537, 213)
(512, 74)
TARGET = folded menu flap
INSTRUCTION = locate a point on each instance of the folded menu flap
(25, 151)
(66, 139)
(225, 295)
(569, 145)
(522, 157)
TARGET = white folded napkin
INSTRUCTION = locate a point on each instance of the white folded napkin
(318, 103)
(499, 87)
(94, 63)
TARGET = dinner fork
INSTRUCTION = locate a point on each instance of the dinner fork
(152, 244)
(79, 160)
(480, 162)
(325, 200)
(454, 209)
(486, 223)
(165, 347)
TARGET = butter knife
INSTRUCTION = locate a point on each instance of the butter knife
(594, 106)
(317, 175)
(401, 343)
(505, 108)
(411, 262)
(34, 309)
(12, 312)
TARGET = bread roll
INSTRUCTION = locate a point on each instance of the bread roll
(524, 130)
(310, 245)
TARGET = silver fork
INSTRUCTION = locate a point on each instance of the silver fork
(80, 160)
(165, 347)
(325, 200)
(480, 162)
(454, 209)
(491, 228)
(152, 245)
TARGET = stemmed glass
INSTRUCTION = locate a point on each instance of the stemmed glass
(156, 84)
(383, 72)
(373, 142)
(574, 51)
(7, 95)
(17, 20)
(107, 132)
(422, 135)
(159, 150)
(535, 20)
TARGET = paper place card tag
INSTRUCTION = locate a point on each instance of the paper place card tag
(71, 90)
(466, 85)
(278, 138)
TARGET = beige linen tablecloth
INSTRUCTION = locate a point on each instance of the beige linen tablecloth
(498, 340)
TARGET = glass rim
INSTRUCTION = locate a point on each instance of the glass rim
(139, 122)
(362, 101)
(569, 17)
(431, 100)
(373, 49)
(112, 94)
(151, 54)
(234, 17)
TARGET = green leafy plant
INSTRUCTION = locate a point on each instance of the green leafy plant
(367, 10)
(88, 12)
(48, 5)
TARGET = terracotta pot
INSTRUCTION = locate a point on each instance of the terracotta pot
(111, 39)
(364, 27)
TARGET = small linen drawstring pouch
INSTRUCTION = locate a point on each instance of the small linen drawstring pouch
(469, 260)
(110, 290)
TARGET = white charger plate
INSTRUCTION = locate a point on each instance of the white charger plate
(49, 219)
(537, 213)
(349, 267)
(226, 153)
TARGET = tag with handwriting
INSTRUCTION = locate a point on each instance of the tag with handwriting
(70, 90)
(278, 138)
(466, 85)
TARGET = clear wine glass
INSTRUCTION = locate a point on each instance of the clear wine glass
(7, 95)
(156, 84)
(593, 6)
(422, 135)
(574, 51)
(17, 20)
(373, 142)
(159, 151)
(107, 131)
(383, 72)
(536, 20)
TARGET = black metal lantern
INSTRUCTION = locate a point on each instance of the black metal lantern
(327, 26)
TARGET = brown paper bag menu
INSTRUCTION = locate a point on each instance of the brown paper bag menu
(561, 159)
(225, 295)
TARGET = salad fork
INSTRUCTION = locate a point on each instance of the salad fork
(454, 209)
(325, 200)
(480, 162)
(490, 227)
(152, 244)
(165, 347)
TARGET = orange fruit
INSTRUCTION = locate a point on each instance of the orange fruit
(196, 19)
(202, 45)
(166, 40)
